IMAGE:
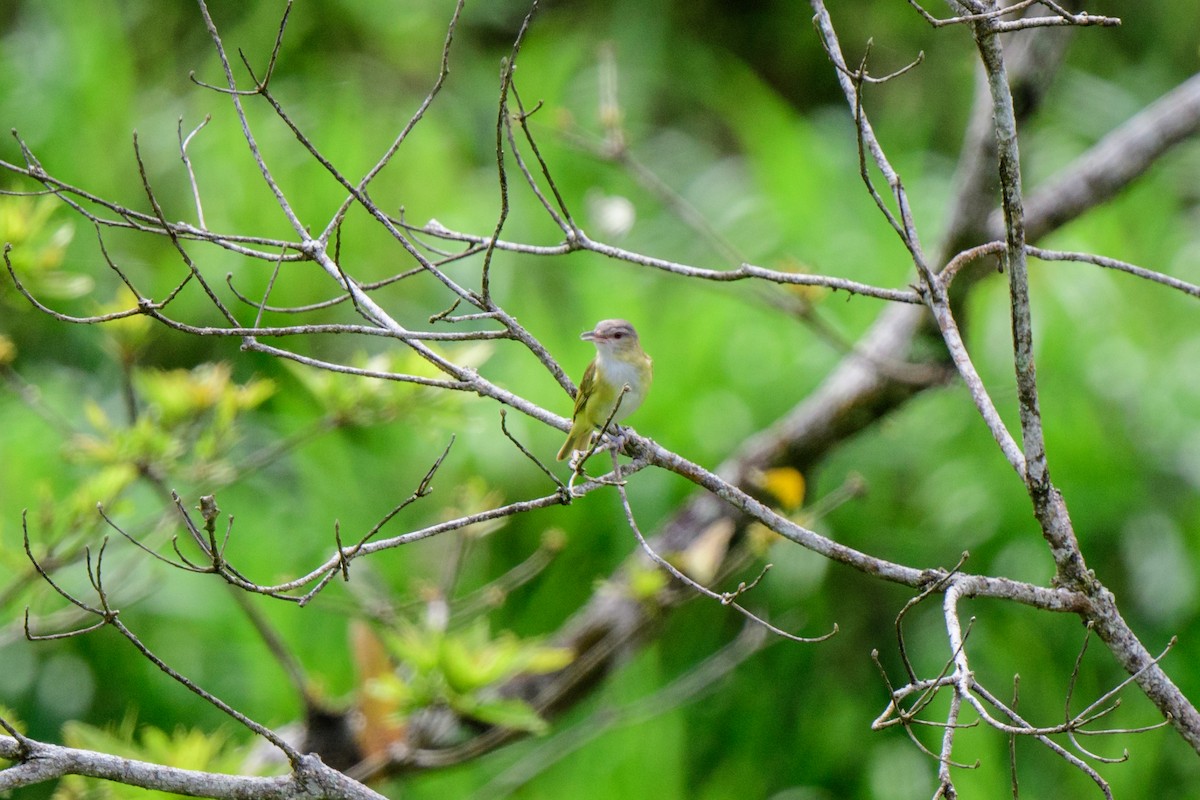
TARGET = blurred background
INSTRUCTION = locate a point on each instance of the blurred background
(735, 108)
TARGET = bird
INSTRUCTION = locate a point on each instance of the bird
(619, 362)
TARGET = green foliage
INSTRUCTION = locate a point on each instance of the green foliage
(12, 719)
(183, 748)
(457, 669)
(645, 581)
(38, 251)
(188, 427)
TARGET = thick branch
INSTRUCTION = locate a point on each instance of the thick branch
(1115, 161)
(37, 762)
(1004, 120)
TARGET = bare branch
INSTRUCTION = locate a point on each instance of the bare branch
(235, 97)
(1121, 266)
(38, 762)
(1059, 17)
(358, 192)
(187, 163)
(727, 598)
(1115, 161)
(1036, 472)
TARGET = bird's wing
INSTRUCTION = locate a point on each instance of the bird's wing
(586, 387)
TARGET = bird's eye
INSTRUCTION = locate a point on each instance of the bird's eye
(618, 335)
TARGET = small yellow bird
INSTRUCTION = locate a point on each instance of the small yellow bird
(619, 361)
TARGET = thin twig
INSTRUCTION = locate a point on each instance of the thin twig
(722, 598)
(187, 163)
(1112, 263)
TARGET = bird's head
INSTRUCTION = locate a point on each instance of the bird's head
(613, 335)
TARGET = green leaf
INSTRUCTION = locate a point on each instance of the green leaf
(543, 659)
(468, 667)
(416, 647)
(507, 713)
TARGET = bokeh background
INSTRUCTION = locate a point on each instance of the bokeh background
(735, 108)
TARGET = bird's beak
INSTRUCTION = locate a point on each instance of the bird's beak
(588, 336)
